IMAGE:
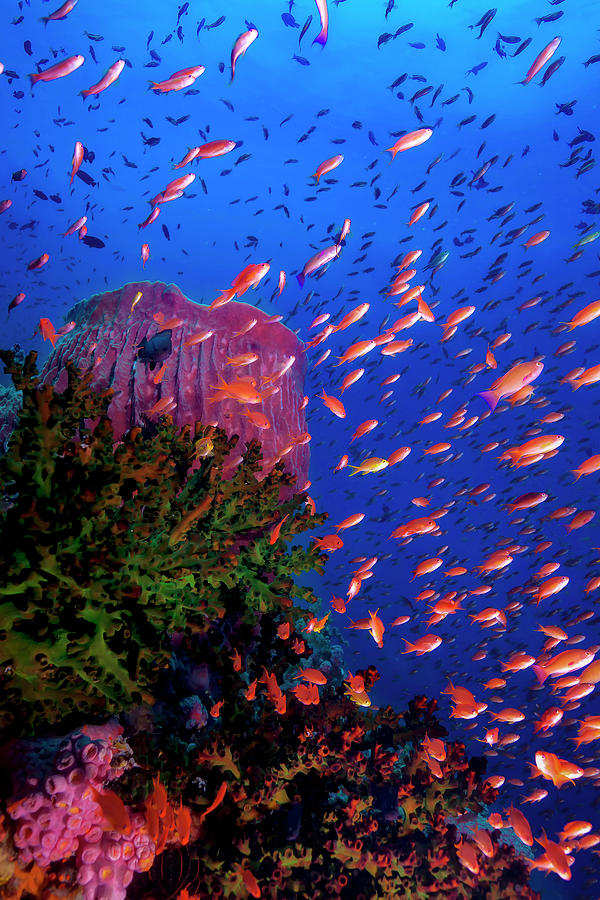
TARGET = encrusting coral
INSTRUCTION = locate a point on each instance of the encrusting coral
(140, 582)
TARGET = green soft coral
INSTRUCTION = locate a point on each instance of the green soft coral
(107, 547)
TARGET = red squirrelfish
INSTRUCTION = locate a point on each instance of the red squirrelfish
(58, 70)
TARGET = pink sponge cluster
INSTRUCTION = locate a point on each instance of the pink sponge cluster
(57, 816)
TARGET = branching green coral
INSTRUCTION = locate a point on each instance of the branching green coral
(107, 547)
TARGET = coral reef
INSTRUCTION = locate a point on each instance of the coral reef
(106, 549)
(142, 582)
(127, 342)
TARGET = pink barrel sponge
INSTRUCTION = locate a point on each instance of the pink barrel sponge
(127, 336)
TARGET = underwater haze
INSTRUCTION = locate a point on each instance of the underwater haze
(457, 151)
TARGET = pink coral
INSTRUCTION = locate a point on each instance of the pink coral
(56, 815)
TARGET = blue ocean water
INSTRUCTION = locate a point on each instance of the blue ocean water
(292, 105)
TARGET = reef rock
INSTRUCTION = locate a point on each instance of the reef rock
(127, 341)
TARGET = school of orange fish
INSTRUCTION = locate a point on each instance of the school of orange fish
(565, 674)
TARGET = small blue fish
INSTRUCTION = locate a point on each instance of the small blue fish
(440, 43)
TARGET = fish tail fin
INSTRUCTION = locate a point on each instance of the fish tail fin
(491, 398)
(300, 280)
(409, 646)
(35, 77)
(540, 673)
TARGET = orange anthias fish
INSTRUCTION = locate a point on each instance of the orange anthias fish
(412, 139)
(77, 159)
(328, 166)
(220, 795)
(520, 375)
(58, 70)
(47, 331)
(250, 277)
(110, 76)
(61, 13)
(114, 810)
(240, 47)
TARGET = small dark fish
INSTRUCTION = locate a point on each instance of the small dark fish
(592, 60)
(450, 100)
(467, 121)
(150, 36)
(287, 119)
(555, 136)
(18, 95)
(180, 33)
(227, 103)
(398, 81)
(484, 21)
(389, 8)
(301, 59)
(552, 69)
(488, 121)
(477, 69)
(323, 112)
(500, 49)
(157, 349)
(417, 46)
(511, 39)
(383, 39)
(155, 56)
(87, 179)
(93, 37)
(150, 142)
(166, 40)
(242, 158)
(92, 53)
(18, 20)
(56, 198)
(305, 28)
(469, 93)
(93, 242)
(403, 29)
(522, 47)
(551, 17)
(118, 49)
(182, 11)
(437, 93)
(289, 20)
(440, 43)
(566, 108)
(148, 122)
(40, 194)
(216, 24)
(265, 133)
(166, 232)
(27, 48)
(200, 26)
(19, 175)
